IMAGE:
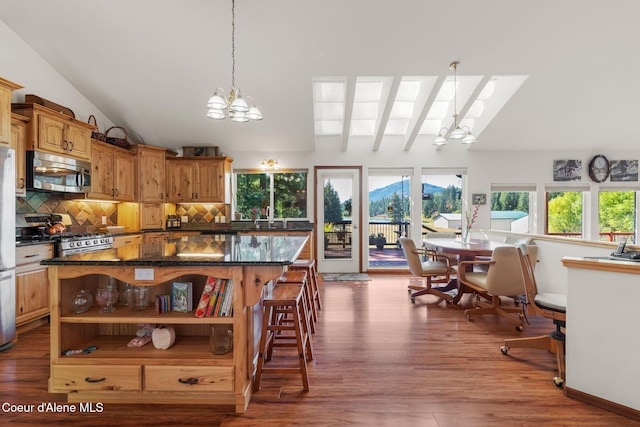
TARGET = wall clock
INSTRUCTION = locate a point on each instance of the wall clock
(599, 168)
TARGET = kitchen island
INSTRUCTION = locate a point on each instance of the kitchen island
(188, 372)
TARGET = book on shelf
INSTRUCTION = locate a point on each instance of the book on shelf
(182, 296)
(227, 302)
(214, 298)
(163, 303)
(205, 298)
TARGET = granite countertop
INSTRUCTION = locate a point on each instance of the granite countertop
(207, 250)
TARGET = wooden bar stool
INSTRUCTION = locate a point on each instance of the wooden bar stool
(284, 301)
(309, 265)
(299, 278)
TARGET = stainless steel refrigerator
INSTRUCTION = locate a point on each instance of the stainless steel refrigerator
(7, 248)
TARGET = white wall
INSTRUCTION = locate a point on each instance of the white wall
(22, 65)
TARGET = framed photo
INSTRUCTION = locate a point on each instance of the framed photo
(479, 199)
(567, 170)
(624, 170)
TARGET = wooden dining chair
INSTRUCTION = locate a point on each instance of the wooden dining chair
(435, 269)
(503, 278)
(549, 305)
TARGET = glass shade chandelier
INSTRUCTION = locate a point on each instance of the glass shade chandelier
(240, 111)
(455, 132)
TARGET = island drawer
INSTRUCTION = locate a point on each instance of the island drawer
(188, 378)
(97, 378)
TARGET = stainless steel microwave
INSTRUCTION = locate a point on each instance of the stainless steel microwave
(51, 172)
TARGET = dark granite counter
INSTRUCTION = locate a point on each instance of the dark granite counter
(197, 250)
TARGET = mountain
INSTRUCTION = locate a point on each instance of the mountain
(396, 187)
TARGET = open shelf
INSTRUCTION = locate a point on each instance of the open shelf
(124, 315)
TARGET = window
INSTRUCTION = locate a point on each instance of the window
(285, 191)
(510, 207)
(564, 213)
(616, 215)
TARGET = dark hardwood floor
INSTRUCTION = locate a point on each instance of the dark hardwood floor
(380, 361)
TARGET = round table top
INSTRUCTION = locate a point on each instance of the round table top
(475, 247)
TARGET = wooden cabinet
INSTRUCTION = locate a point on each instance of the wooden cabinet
(188, 372)
(54, 132)
(151, 216)
(196, 179)
(32, 285)
(18, 141)
(112, 173)
(151, 173)
(6, 89)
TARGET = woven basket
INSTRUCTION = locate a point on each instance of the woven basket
(119, 142)
(96, 133)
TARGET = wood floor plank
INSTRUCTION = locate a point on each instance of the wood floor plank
(379, 361)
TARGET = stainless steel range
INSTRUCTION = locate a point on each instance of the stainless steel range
(78, 244)
(36, 227)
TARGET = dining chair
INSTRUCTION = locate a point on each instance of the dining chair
(454, 259)
(434, 269)
(550, 305)
(503, 278)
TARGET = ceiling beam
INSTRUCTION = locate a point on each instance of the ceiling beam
(348, 110)
(410, 139)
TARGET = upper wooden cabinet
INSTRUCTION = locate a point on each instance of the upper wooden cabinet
(54, 132)
(18, 141)
(151, 173)
(198, 179)
(112, 173)
(6, 88)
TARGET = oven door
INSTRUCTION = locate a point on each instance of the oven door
(50, 172)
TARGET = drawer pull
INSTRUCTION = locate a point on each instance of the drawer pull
(91, 380)
(190, 381)
(31, 255)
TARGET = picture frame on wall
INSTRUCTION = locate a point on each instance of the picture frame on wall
(567, 170)
(624, 171)
(479, 199)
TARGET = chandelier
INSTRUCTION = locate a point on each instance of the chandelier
(239, 110)
(455, 132)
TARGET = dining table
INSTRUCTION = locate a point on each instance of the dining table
(465, 251)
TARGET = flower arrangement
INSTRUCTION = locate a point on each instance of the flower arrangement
(470, 220)
(254, 211)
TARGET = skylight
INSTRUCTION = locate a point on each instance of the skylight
(329, 98)
(366, 104)
(403, 107)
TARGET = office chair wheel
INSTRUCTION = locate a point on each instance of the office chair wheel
(413, 300)
(504, 349)
(469, 318)
(519, 328)
(559, 382)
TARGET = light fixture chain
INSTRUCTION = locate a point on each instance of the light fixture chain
(233, 44)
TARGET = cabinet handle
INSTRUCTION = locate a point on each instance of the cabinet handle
(117, 192)
(190, 381)
(97, 380)
(30, 255)
(112, 192)
(196, 196)
(71, 144)
(66, 145)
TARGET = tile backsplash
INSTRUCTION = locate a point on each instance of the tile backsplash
(86, 216)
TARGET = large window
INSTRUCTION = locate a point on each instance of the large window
(564, 213)
(285, 192)
(616, 215)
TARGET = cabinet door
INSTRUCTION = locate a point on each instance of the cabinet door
(102, 168)
(181, 185)
(210, 181)
(32, 293)
(151, 216)
(51, 135)
(18, 141)
(5, 116)
(124, 176)
(151, 171)
(78, 141)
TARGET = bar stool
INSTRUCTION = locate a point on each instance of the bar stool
(299, 278)
(285, 300)
(309, 265)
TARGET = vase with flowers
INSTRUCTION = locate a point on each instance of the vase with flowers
(470, 218)
(254, 214)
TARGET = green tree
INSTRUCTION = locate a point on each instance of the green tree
(565, 212)
(290, 195)
(332, 208)
(396, 204)
(617, 211)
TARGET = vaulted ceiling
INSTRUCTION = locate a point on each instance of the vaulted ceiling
(571, 68)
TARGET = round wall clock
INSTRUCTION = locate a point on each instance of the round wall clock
(599, 168)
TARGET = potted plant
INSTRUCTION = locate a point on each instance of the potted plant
(328, 228)
(378, 239)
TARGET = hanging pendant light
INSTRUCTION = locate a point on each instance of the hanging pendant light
(455, 132)
(239, 110)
